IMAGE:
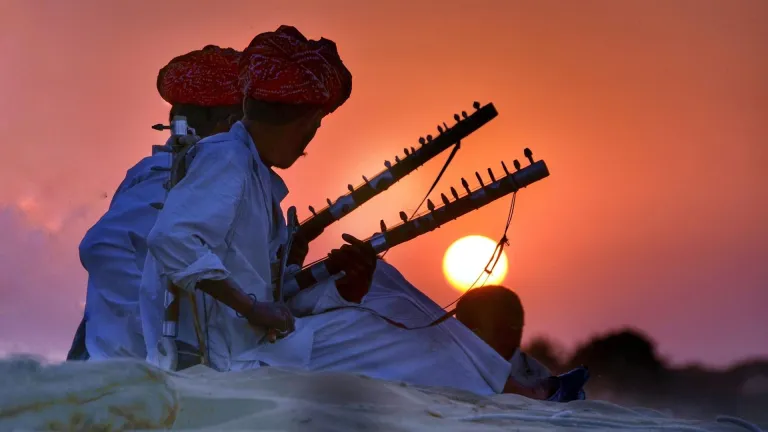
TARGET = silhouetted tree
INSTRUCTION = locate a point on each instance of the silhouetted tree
(626, 357)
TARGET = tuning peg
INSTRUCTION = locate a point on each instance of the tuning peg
(422, 141)
(397, 159)
(490, 174)
(387, 164)
(464, 114)
(407, 152)
(413, 150)
(312, 210)
(351, 188)
(445, 126)
(454, 193)
(328, 200)
(365, 179)
(439, 129)
(503, 165)
(457, 118)
(479, 179)
(465, 184)
(429, 138)
(383, 226)
(430, 205)
(516, 163)
(445, 199)
(403, 216)
(528, 154)
(476, 105)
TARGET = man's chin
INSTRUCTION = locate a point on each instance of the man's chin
(285, 165)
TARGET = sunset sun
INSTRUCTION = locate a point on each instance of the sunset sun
(466, 259)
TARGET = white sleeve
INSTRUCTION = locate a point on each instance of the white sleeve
(317, 299)
(197, 216)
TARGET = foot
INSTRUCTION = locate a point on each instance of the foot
(571, 385)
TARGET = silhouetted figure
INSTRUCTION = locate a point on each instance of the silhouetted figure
(496, 315)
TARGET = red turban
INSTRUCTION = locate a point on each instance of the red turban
(283, 66)
(207, 77)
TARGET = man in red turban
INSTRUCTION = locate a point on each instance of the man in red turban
(203, 86)
(213, 237)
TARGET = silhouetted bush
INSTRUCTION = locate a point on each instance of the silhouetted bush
(626, 356)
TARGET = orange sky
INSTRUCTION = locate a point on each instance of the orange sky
(652, 116)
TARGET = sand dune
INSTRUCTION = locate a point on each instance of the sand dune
(130, 395)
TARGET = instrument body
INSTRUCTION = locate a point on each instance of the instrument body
(432, 219)
(311, 228)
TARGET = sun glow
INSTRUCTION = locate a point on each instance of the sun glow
(467, 258)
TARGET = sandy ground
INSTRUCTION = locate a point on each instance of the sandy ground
(131, 395)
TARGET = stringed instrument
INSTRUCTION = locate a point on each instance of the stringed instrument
(312, 227)
(433, 218)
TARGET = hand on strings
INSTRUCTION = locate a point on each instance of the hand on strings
(273, 316)
(358, 261)
(299, 250)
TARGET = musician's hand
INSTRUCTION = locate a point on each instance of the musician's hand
(358, 261)
(299, 250)
(271, 315)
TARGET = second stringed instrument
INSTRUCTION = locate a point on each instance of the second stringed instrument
(433, 218)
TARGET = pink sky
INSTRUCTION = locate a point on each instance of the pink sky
(652, 116)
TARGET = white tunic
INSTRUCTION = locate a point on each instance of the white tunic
(220, 221)
(446, 355)
(113, 252)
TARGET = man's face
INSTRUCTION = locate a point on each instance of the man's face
(303, 131)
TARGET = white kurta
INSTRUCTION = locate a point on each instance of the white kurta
(446, 355)
(221, 221)
(113, 252)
